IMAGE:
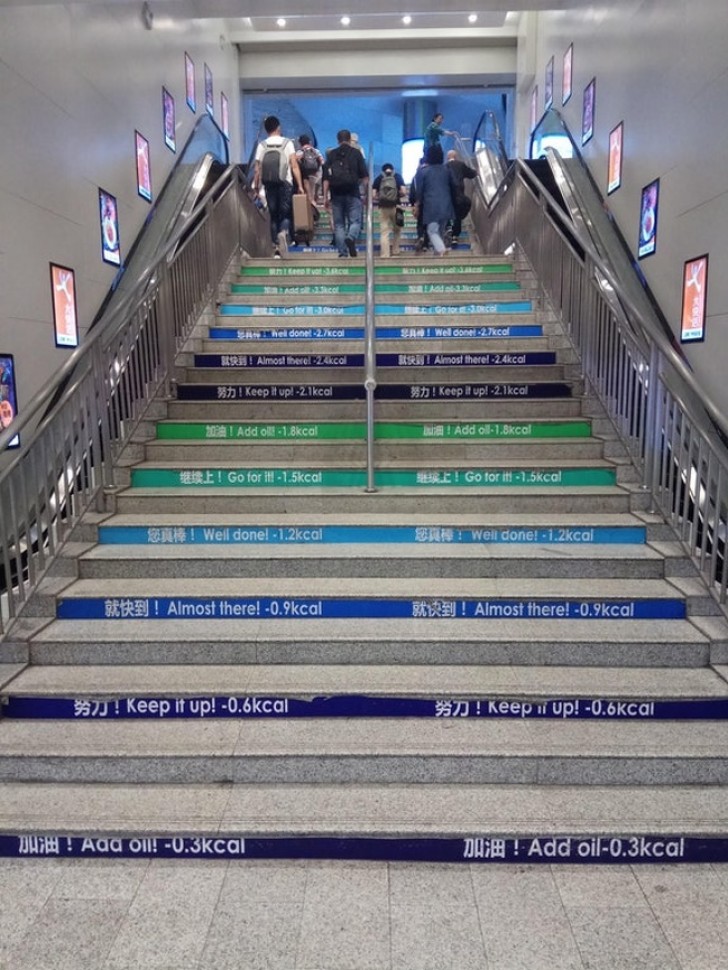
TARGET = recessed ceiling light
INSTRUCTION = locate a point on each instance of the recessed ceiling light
(472, 18)
(345, 21)
(281, 21)
(406, 20)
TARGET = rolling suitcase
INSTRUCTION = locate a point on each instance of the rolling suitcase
(302, 219)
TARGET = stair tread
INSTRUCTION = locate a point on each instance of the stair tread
(362, 739)
(462, 681)
(367, 809)
(482, 521)
(387, 587)
(371, 632)
(340, 550)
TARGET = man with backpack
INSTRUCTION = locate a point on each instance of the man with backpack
(344, 170)
(276, 167)
(310, 162)
(389, 190)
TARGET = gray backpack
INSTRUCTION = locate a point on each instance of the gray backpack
(388, 190)
(274, 164)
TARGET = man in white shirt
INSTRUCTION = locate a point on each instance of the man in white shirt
(276, 167)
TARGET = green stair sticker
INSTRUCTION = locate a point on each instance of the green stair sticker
(334, 289)
(301, 289)
(313, 431)
(391, 269)
(261, 477)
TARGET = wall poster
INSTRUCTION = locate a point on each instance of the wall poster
(63, 296)
(694, 299)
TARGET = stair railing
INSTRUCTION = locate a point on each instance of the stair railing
(675, 435)
(68, 451)
(370, 349)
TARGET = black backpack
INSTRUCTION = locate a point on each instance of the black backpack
(343, 168)
(274, 164)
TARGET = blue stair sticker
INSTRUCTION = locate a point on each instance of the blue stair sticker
(386, 392)
(303, 608)
(247, 707)
(472, 359)
(483, 847)
(445, 332)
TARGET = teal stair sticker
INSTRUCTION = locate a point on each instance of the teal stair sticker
(305, 608)
(382, 309)
(250, 533)
(357, 477)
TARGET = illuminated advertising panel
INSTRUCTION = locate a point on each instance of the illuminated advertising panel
(694, 299)
(143, 167)
(168, 120)
(587, 111)
(548, 96)
(566, 77)
(63, 296)
(224, 115)
(190, 83)
(614, 172)
(649, 207)
(109, 220)
(209, 103)
(8, 396)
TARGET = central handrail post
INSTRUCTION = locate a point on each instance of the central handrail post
(370, 354)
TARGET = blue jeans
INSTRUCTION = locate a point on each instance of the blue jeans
(436, 230)
(346, 211)
(280, 208)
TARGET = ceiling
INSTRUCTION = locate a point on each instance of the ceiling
(254, 22)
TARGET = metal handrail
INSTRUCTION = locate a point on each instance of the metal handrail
(68, 456)
(370, 350)
(670, 428)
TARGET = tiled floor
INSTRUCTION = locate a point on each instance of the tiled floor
(98, 915)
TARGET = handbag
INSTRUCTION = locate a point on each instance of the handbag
(399, 216)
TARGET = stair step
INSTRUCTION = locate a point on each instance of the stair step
(495, 693)
(606, 499)
(453, 750)
(307, 410)
(426, 822)
(653, 643)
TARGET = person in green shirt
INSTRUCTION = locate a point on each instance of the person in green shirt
(434, 131)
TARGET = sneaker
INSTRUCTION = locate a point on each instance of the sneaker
(276, 254)
(282, 244)
(351, 246)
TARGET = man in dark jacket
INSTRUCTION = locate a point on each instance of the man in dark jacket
(345, 170)
(434, 191)
(461, 203)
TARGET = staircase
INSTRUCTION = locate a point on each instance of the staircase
(498, 655)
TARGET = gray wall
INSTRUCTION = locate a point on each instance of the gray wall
(661, 67)
(76, 80)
